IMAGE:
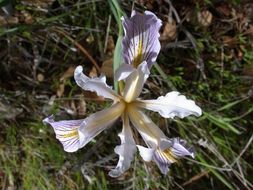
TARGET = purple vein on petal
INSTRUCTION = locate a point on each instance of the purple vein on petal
(141, 41)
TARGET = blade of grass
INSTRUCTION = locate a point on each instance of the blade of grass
(217, 174)
(164, 76)
(220, 122)
(231, 104)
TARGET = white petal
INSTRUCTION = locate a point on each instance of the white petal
(97, 122)
(97, 84)
(151, 134)
(123, 72)
(146, 153)
(66, 132)
(135, 82)
(171, 105)
(125, 151)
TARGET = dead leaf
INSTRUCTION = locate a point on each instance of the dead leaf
(67, 74)
(12, 20)
(169, 32)
(228, 40)
(110, 46)
(2, 21)
(149, 4)
(224, 9)
(28, 19)
(60, 90)
(40, 77)
(38, 3)
(93, 72)
(107, 68)
(81, 107)
(93, 96)
(204, 18)
(75, 107)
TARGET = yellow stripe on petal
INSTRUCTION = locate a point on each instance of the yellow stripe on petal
(138, 58)
(168, 154)
(66, 132)
(73, 133)
(130, 90)
(135, 81)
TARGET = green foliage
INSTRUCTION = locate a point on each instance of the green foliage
(117, 58)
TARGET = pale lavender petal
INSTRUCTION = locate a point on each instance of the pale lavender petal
(66, 132)
(178, 149)
(181, 149)
(97, 122)
(141, 40)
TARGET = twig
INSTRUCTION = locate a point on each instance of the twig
(79, 46)
(241, 172)
(199, 64)
(172, 8)
(107, 32)
(243, 150)
(195, 178)
(222, 66)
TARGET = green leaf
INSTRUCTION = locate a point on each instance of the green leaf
(117, 58)
(222, 123)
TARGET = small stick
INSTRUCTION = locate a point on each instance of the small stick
(107, 32)
(195, 178)
(79, 46)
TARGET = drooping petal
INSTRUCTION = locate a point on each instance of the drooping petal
(164, 158)
(180, 148)
(126, 150)
(135, 81)
(171, 105)
(66, 132)
(151, 134)
(141, 42)
(97, 122)
(97, 84)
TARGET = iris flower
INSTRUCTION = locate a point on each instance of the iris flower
(140, 49)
